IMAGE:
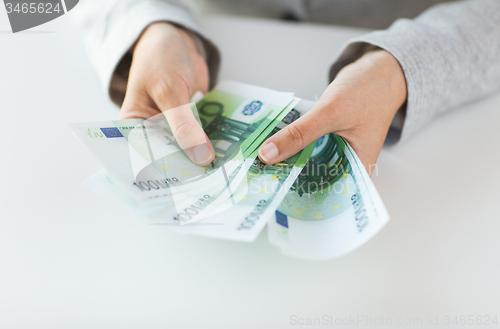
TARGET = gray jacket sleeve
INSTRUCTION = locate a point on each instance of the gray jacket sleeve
(450, 54)
(111, 27)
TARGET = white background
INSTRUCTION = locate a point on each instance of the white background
(70, 258)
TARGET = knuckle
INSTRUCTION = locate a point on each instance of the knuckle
(161, 90)
(295, 137)
(185, 130)
(168, 88)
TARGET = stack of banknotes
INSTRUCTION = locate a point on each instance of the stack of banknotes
(318, 204)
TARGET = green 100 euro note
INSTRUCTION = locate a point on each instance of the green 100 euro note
(242, 215)
(319, 204)
(146, 161)
(332, 209)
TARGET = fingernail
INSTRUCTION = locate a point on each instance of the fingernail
(202, 154)
(268, 152)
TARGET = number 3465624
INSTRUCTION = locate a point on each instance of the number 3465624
(41, 8)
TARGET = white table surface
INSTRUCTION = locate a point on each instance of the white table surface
(70, 258)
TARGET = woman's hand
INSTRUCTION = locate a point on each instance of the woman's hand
(358, 105)
(166, 71)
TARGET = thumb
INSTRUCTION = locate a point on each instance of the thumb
(294, 137)
(186, 130)
(190, 135)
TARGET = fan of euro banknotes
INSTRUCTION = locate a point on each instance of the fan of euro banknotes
(318, 204)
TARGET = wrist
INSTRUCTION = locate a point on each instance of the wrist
(391, 73)
(158, 32)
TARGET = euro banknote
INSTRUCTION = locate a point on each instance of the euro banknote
(145, 159)
(242, 215)
(319, 204)
(333, 208)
